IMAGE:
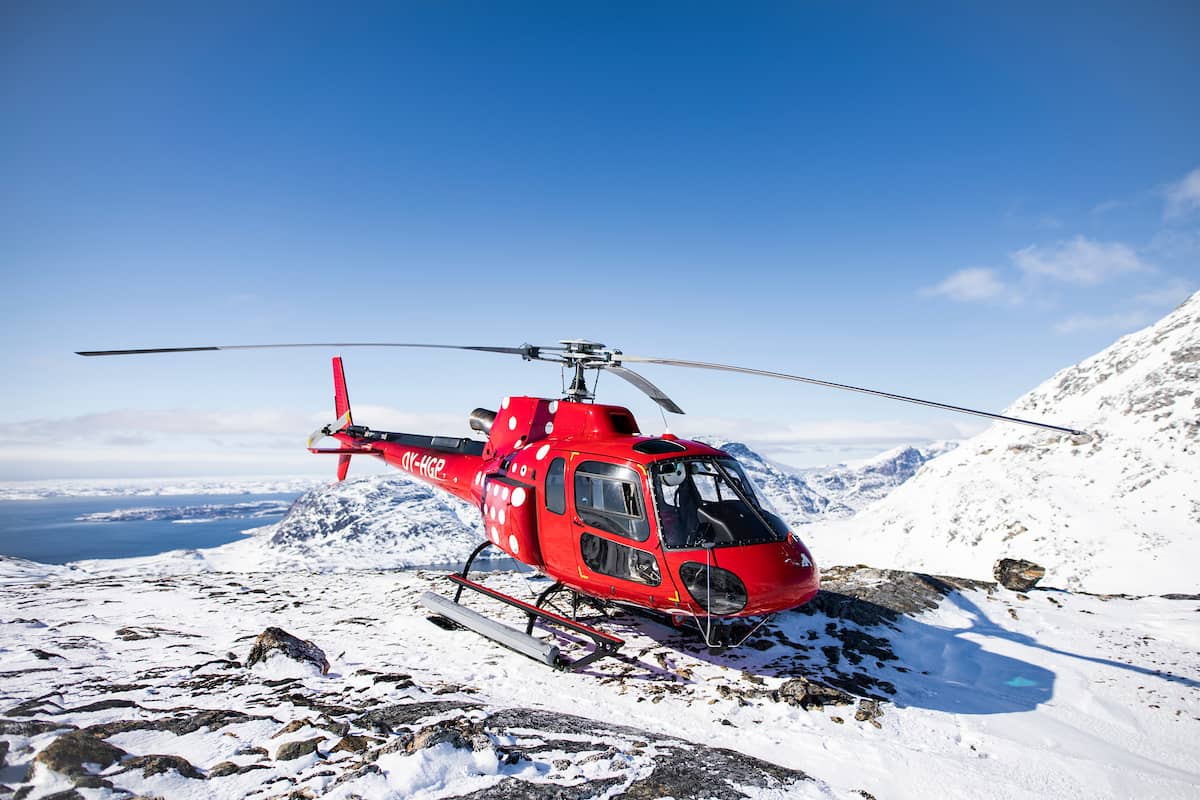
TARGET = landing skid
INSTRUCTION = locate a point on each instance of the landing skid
(518, 641)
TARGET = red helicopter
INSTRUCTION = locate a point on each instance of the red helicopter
(573, 489)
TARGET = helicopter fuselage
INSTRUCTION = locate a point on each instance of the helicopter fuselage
(575, 491)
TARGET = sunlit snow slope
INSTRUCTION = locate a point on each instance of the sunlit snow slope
(1117, 510)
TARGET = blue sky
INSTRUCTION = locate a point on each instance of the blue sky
(946, 200)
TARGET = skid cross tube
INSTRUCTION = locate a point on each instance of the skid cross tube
(605, 644)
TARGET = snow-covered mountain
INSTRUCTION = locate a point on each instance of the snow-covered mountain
(859, 484)
(386, 521)
(1117, 510)
(791, 495)
(802, 497)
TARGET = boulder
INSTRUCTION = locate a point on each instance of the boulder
(1018, 574)
(298, 749)
(68, 753)
(274, 640)
(158, 764)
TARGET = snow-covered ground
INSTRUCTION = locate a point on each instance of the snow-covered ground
(990, 694)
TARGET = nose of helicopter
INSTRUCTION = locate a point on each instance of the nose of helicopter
(777, 576)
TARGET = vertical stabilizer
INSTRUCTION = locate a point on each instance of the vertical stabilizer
(341, 398)
(341, 406)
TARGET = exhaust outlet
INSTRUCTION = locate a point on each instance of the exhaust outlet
(481, 420)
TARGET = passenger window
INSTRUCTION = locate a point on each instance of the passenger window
(556, 486)
(608, 497)
(619, 560)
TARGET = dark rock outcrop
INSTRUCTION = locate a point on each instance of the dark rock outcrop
(390, 718)
(870, 596)
(277, 640)
(293, 750)
(68, 753)
(158, 764)
(1018, 574)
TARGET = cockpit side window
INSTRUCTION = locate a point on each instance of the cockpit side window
(608, 497)
(556, 486)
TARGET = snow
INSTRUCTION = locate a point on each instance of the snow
(1117, 510)
(1074, 696)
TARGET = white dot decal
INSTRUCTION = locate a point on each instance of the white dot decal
(504, 494)
(518, 497)
(493, 489)
(549, 428)
(514, 545)
(512, 423)
(553, 407)
(495, 535)
(501, 516)
(519, 443)
(523, 470)
(541, 453)
(504, 403)
(492, 512)
(478, 477)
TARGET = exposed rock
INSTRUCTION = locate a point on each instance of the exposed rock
(808, 694)
(68, 753)
(180, 726)
(278, 640)
(158, 764)
(1018, 574)
(387, 719)
(34, 707)
(43, 655)
(3, 751)
(293, 750)
(439, 734)
(31, 727)
(516, 789)
(292, 727)
(682, 770)
(869, 711)
(870, 596)
(226, 768)
(704, 773)
(353, 744)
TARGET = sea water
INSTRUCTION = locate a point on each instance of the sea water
(61, 529)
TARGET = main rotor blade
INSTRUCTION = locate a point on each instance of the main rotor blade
(653, 392)
(673, 362)
(525, 351)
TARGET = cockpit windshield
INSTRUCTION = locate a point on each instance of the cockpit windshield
(702, 500)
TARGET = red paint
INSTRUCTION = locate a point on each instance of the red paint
(508, 483)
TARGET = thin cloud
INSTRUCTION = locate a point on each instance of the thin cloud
(973, 284)
(1183, 197)
(1079, 261)
(1172, 294)
(1121, 321)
